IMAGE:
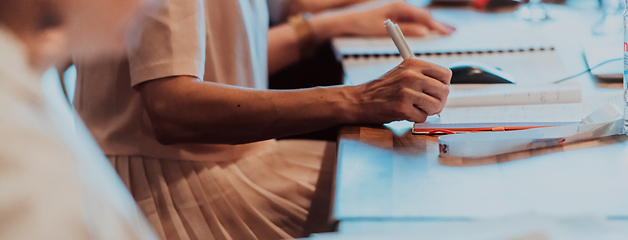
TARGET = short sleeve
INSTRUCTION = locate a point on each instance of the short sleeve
(171, 44)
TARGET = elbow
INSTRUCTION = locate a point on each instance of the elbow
(162, 100)
(163, 136)
(164, 126)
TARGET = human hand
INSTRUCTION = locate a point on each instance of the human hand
(315, 6)
(413, 21)
(412, 91)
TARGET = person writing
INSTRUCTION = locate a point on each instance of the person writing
(187, 122)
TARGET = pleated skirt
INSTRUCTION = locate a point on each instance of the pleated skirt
(266, 195)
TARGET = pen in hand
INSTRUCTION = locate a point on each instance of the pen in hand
(400, 41)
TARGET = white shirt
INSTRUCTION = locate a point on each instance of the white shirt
(222, 41)
(54, 184)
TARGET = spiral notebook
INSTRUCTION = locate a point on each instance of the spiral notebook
(534, 64)
(433, 45)
(530, 61)
(483, 35)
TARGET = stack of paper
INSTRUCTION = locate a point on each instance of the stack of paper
(477, 95)
(553, 114)
(489, 106)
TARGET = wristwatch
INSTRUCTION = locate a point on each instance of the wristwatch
(307, 39)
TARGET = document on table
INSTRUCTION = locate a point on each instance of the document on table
(476, 95)
(521, 115)
(510, 105)
(470, 36)
(592, 103)
(528, 67)
(506, 116)
(606, 121)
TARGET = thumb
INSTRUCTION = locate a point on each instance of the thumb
(446, 27)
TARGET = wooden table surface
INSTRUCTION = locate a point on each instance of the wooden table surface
(383, 176)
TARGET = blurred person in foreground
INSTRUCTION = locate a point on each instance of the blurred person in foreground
(57, 184)
(188, 124)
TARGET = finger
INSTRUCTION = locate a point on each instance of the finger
(424, 102)
(448, 28)
(412, 112)
(439, 28)
(414, 30)
(423, 17)
(451, 28)
(440, 73)
(432, 87)
(425, 84)
(417, 115)
(444, 101)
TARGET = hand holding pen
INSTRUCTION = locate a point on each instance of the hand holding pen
(400, 42)
(412, 91)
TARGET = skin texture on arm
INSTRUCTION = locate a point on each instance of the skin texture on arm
(185, 110)
(283, 43)
(314, 6)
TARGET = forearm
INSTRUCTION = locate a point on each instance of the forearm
(184, 110)
(284, 46)
(283, 41)
(314, 6)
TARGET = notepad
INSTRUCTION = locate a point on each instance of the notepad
(526, 67)
(516, 47)
(497, 32)
(478, 38)
(533, 101)
(518, 115)
(505, 116)
(478, 95)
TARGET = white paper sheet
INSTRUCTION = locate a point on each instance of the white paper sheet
(522, 115)
(476, 95)
(605, 121)
(592, 103)
(504, 33)
(506, 116)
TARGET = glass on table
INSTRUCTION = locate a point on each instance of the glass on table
(612, 20)
(534, 11)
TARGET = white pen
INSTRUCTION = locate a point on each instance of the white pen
(400, 41)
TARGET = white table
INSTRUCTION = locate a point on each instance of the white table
(391, 181)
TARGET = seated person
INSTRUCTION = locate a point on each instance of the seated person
(55, 184)
(187, 122)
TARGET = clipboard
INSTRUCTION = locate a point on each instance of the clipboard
(501, 118)
(463, 128)
(444, 131)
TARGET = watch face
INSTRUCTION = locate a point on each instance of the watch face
(307, 16)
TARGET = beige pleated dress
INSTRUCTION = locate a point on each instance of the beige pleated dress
(261, 190)
(54, 181)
